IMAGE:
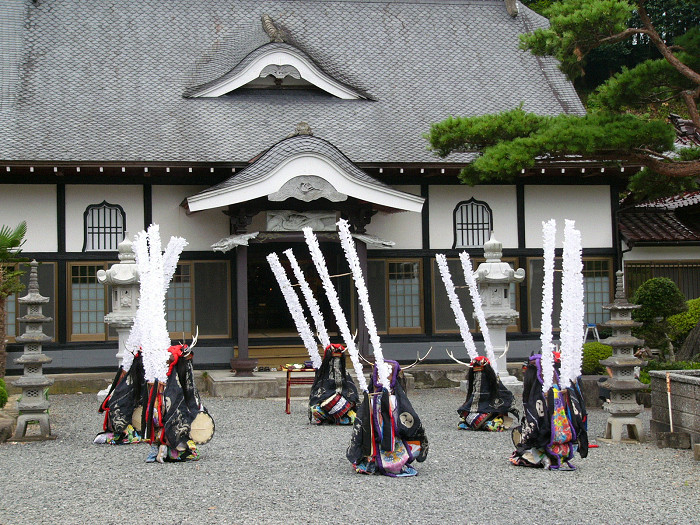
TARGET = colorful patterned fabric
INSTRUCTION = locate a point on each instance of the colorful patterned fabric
(165, 454)
(128, 437)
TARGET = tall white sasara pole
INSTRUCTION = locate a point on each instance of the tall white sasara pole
(456, 308)
(348, 245)
(478, 309)
(332, 295)
(311, 302)
(572, 308)
(295, 308)
(549, 232)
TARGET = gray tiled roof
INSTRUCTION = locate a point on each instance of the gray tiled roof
(287, 149)
(104, 80)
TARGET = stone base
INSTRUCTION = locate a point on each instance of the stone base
(673, 440)
(613, 430)
(224, 384)
(243, 367)
(24, 420)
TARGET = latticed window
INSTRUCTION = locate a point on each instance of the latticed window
(88, 303)
(178, 302)
(404, 295)
(11, 316)
(105, 225)
(472, 223)
(397, 295)
(596, 289)
(597, 286)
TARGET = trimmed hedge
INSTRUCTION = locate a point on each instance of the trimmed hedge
(593, 352)
(681, 324)
(658, 297)
(665, 365)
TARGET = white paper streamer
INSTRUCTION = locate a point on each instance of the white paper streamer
(295, 308)
(152, 329)
(348, 244)
(311, 302)
(170, 258)
(549, 232)
(478, 309)
(572, 308)
(456, 308)
(133, 342)
(149, 332)
(332, 295)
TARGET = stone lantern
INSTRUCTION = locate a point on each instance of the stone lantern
(494, 278)
(123, 277)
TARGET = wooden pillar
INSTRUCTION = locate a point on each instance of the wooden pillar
(363, 334)
(242, 300)
(242, 366)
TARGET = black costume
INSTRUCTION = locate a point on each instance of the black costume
(171, 409)
(554, 426)
(124, 397)
(488, 401)
(388, 434)
(333, 395)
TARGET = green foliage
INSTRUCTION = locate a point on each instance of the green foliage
(576, 27)
(681, 324)
(594, 352)
(647, 185)
(665, 365)
(652, 81)
(658, 297)
(513, 140)
(11, 242)
(3, 393)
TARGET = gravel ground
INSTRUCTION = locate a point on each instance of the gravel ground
(264, 466)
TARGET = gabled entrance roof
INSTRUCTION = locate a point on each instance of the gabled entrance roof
(306, 168)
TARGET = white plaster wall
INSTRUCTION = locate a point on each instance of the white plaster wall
(201, 229)
(501, 199)
(79, 197)
(589, 206)
(404, 228)
(36, 204)
(671, 253)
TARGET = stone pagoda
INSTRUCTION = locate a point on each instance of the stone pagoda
(34, 405)
(623, 407)
(494, 278)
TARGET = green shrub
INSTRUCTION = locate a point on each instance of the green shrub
(593, 352)
(3, 395)
(681, 324)
(665, 365)
(658, 297)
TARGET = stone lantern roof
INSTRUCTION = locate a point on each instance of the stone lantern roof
(494, 270)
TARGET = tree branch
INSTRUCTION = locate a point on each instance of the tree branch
(677, 168)
(689, 97)
(664, 49)
(621, 36)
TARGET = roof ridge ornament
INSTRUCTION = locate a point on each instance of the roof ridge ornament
(512, 7)
(275, 34)
(302, 128)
